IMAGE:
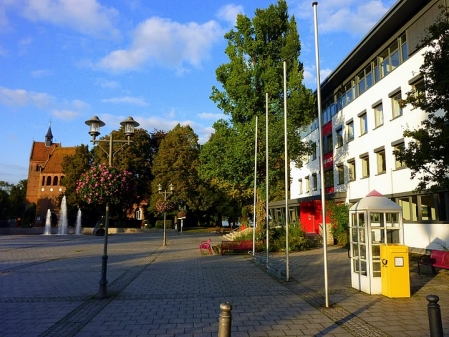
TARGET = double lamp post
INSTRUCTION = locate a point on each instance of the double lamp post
(95, 123)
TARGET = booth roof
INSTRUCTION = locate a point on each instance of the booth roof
(377, 202)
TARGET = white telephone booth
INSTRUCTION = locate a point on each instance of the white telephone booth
(373, 220)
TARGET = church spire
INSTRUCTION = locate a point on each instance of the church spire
(48, 137)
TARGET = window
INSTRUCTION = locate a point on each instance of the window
(139, 215)
(381, 166)
(378, 115)
(419, 89)
(55, 181)
(404, 50)
(398, 148)
(389, 58)
(339, 133)
(350, 130)
(395, 105)
(48, 181)
(363, 123)
(409, 207)
(428, 209)
(365, 166)
(300, 186)
(327, 143)
(314, 147)
(307, 184)
(341, 174)
(314, 182)
(351, 170)
(329, 178)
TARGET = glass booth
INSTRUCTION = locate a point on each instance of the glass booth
(374, 220)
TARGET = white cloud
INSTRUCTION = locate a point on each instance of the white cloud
(85, 16)
(21, 97)
(41, 73)
(166, 43)
(349, 16)
(229, 13)
(126, 99)
(65, 114)
(107, 83)
(79, 105)
(213, 116)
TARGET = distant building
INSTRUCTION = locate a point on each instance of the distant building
(45, 175)
(363, 123)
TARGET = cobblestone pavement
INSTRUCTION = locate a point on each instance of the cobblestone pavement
(49, 283)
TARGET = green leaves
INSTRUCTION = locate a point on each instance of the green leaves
(427, 153)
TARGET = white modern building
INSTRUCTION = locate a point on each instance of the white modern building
(362, 123)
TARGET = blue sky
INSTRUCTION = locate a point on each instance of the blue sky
(64, 61)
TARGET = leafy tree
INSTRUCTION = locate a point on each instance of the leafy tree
(17, 199)
(5, 186)
(426, 154)
(137, 157)
(256, 49)
(73, 167)
(176, 163)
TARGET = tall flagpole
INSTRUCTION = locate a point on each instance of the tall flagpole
(255, 189)
(287, 267)
(266, 174)
(320, 136)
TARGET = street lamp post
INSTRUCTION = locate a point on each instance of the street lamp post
(94, 130)
(165, 193)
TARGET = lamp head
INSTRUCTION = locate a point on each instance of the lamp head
(129, 124)
(94, 126)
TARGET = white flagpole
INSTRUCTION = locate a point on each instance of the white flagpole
(323, 196)
(287, 267)
(255, 189)
(266, 173)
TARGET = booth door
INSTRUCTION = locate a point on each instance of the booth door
(360, 266)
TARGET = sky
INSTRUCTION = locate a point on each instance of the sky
(64, 61)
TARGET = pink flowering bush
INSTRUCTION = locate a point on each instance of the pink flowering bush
(163, 206)
(103, 183)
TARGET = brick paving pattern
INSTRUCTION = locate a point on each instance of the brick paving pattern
(49, 283)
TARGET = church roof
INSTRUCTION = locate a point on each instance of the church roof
(54, 163)
(41, 152)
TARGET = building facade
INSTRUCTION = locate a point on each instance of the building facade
(363, 123)
(45, 175)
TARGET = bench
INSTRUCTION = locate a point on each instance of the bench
(236, 245)
(205, 246)
(437, 259)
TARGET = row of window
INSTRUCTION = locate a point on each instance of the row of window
(351, 169)
(52, 180)
(388, 60)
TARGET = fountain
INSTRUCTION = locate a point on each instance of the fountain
(47, 230)
(62, 224)
(78, 223)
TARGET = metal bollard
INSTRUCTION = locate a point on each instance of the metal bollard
(433, 309)
(224, 322)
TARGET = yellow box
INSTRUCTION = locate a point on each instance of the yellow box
(395, 271)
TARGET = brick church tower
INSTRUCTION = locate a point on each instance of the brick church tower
(45, 175)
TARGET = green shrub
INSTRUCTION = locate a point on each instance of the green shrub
(297, 238)
(160, 224)
(339, 218)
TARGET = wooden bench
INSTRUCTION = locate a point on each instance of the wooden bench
(437, 259)
(205, 246)
(236, 245)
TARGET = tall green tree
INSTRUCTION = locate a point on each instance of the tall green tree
(176, 163)
(427, 153)
(17, 199)
(73, 167)
(257, 49)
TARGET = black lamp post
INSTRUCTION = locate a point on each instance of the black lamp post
(165, 193)
(94, 124)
